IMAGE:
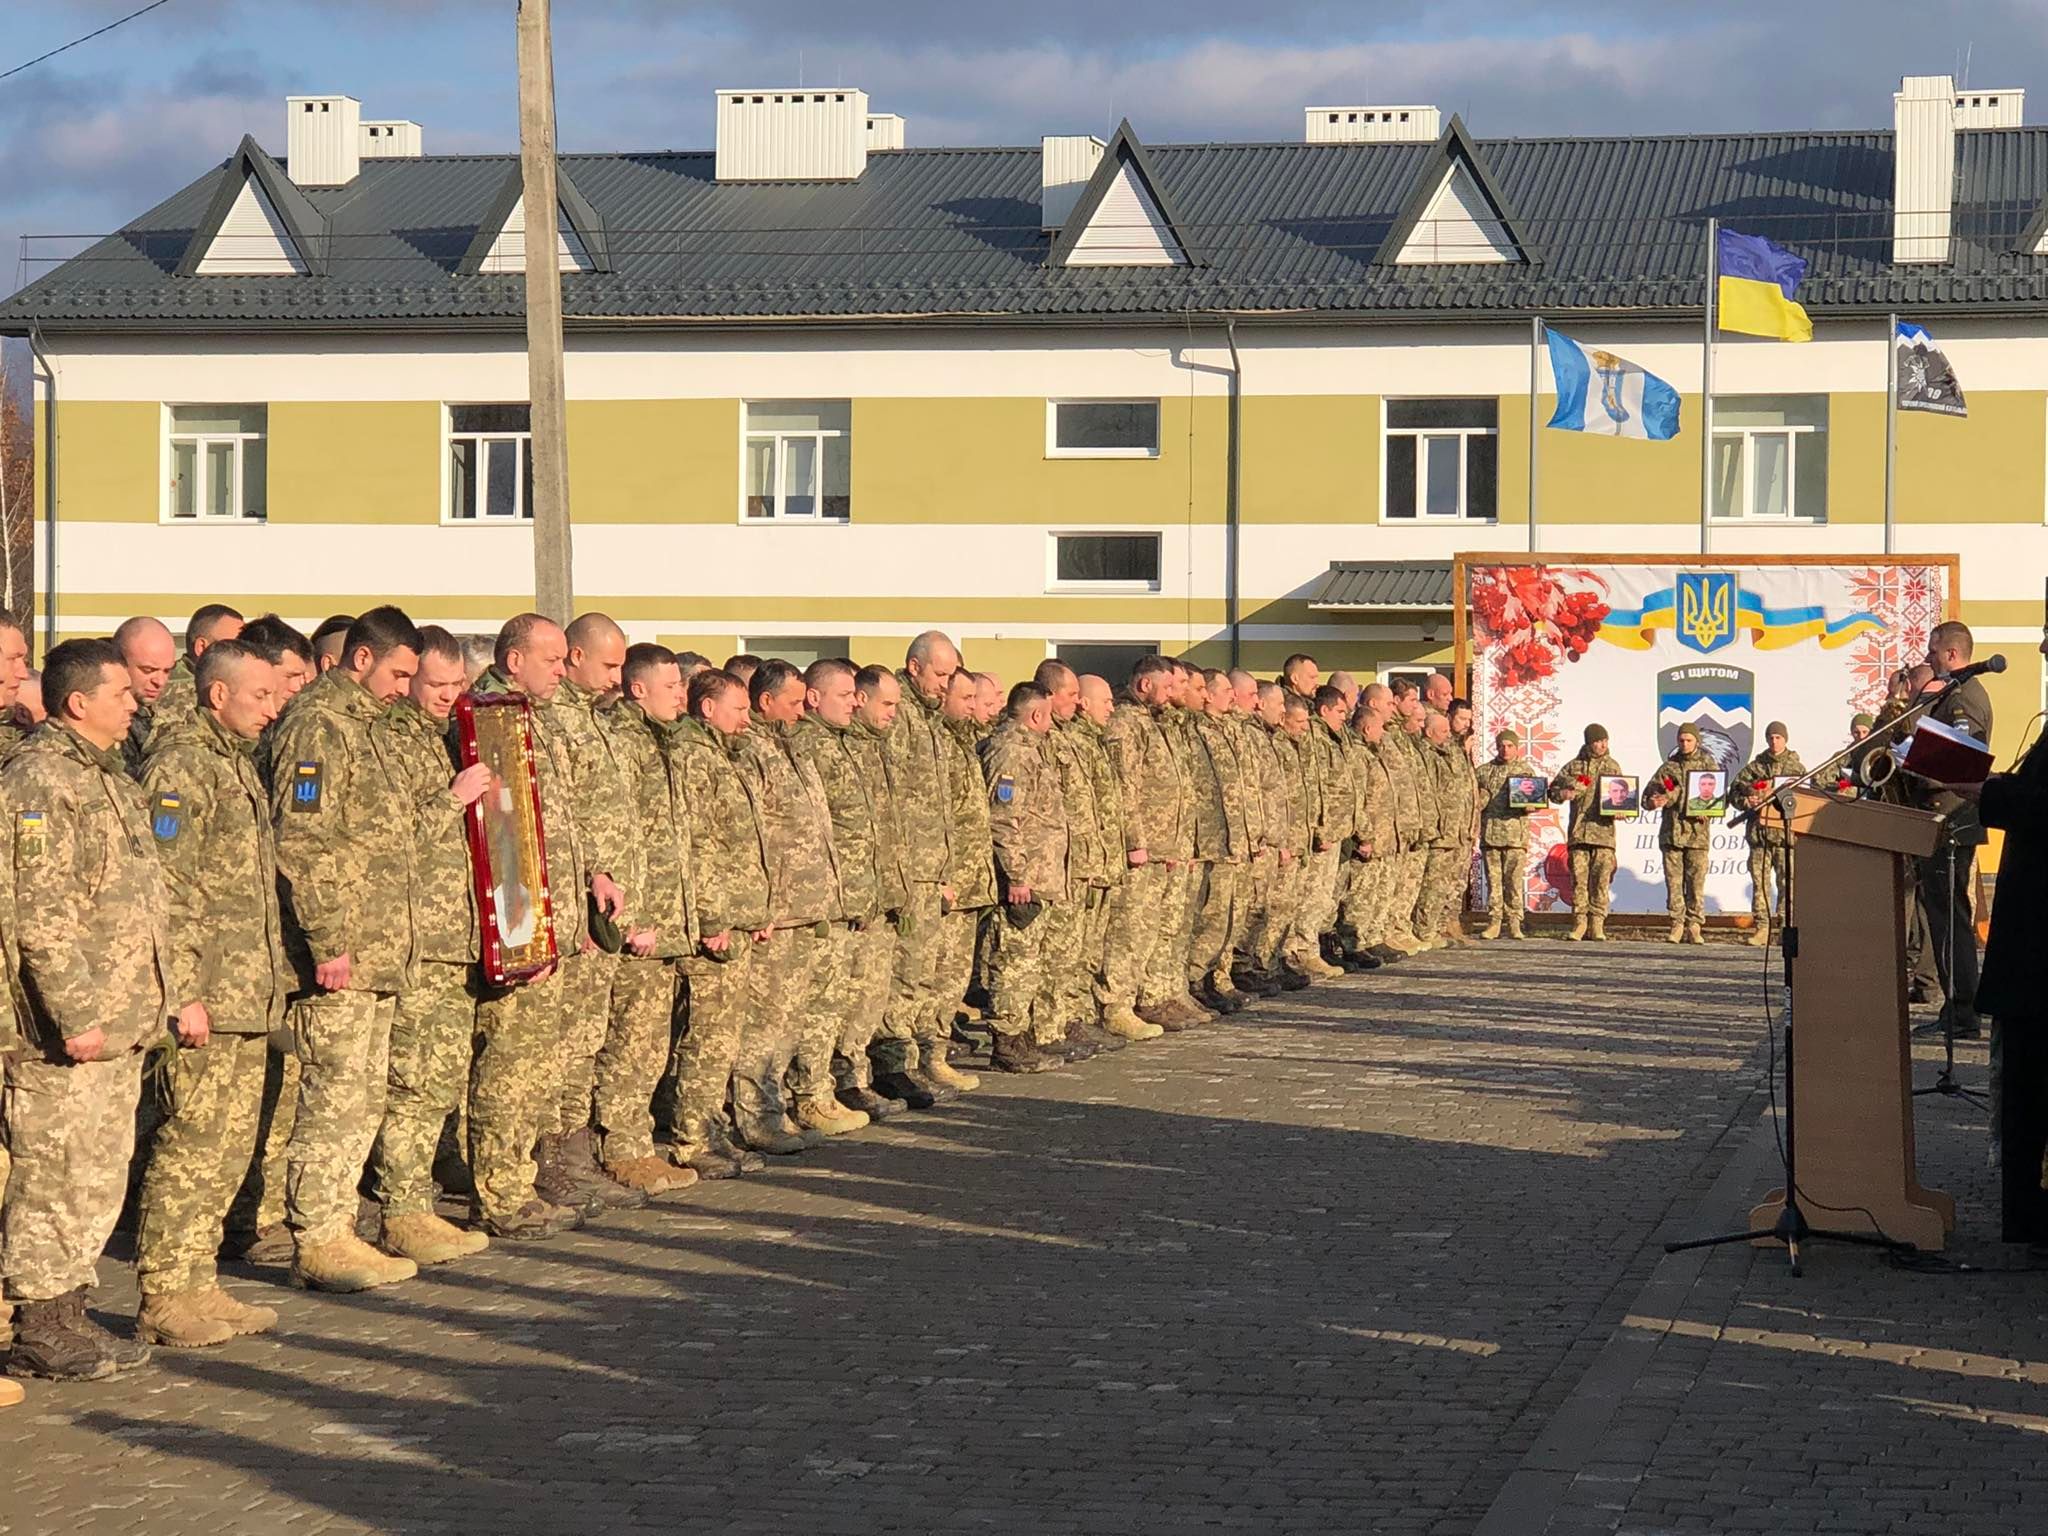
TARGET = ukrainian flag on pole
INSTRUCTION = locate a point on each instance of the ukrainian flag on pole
(1757, 281)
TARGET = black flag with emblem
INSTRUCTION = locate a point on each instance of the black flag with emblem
(1926, 381)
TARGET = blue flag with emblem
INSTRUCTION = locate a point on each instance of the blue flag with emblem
(1606, 395)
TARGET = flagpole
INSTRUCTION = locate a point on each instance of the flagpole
(1891, 423)
(1535, 376)
(1707, 389)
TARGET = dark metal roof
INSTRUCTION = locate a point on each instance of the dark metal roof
(1285, 229)
(1382, 584)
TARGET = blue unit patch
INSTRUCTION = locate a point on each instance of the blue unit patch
(306, 780)
(167, 817)
(1006, 789)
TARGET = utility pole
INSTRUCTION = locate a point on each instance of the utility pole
(553, 594)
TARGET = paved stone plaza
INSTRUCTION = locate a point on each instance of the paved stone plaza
(1382, 1257)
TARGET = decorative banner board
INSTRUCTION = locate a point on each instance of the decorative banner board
(1550, 643)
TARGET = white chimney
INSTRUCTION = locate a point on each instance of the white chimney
(885, 131)
(1923, 167)
(323, 139)
(791, 135)
(1372, 125)
(1065, 162)
(393, 140)
(1991, 109)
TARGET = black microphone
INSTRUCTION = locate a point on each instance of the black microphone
(1975, 669)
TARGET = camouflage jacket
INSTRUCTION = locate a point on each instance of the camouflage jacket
(211, 816)
(1404, 800)
(860, 819)
(1088, 850)
(1228, 755)
(135, 745)
(727, 875)
(1084, 737)
(604, 798)
(175, 707)
(1291, 773)
(14, 735)
(1215, 797)
(1448, 785)
(1335, 790)
(1152, 782)
(1027, 811)
(561, 836)
(1766, 831)
(918, 768)
(1680, 830)
(970, 867)
(422, 750)
(1271, 785)
(91, 921)
(661, 827)
(892, 857)
(796, 826)
(1577, 784)
(1377, 832)
(1428, 792)
(1462, 808)
(344, 839)
(11, 1020)
(1500, 824)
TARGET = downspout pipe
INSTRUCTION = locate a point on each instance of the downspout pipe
(1234, 453)
(35, 342)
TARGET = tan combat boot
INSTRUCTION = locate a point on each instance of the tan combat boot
(652, 1175)
(10, 1392)
(1677, 933)
(1693, 934)
(180, 1320)
(933, 1064)
(426, 1239)
(1578, 927)
(1598, 931)
(1126, 1025)
(1760, 935)
(1515, 929)
(238, 1315)
(1491, 930)
(822, 1112)
(346, 1264)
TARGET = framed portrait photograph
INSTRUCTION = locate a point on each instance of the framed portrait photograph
(1706, 792)
(508, 853)
(1528, 792)
(1617, 794)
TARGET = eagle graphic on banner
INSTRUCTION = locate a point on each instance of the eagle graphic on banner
(1723, 702)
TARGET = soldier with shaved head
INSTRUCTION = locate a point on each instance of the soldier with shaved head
(149, 653)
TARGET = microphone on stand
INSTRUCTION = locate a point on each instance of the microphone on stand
(1975, 669)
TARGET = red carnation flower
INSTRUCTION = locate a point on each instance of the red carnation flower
(1761, 785)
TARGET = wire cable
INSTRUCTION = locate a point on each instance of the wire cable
(77, 41)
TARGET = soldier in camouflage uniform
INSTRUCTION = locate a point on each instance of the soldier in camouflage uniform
(1422, 831)
(793, 975)
(1333, 819)
(149, 654)
(727, 878)
(179, 702)
(871, 891)
(13, 667)
(434, 1028)
(1066, 1029)
(1684, 839)
(1226, 811)
(1362, 919)
(1165, 990)
(1265, 818)
(1770, 845)
(1449, 858)
(210, 814)
(1157, 841)
(1503, 837)
(970, 875)
(1028, 826)
(1590, 837)
(1464, 809)
(1097, 701)
(345, 859)
(878, 700)
(1285, 719)
(90, 924)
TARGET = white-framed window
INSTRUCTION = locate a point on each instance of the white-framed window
(1442, 461)
(217, 461)
(490, 464)
(798, 650)
(1113, 561)
(1110, 660)
(796, 459)
(1102, 429)
(1771, 458)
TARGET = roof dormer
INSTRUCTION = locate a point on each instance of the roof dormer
(1123, 217)
(500, 243)
(1456, 214)
(257, 225)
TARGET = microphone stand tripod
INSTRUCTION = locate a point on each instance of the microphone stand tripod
(1945, 1082)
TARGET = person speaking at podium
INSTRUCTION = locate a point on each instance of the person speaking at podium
(1949, 876)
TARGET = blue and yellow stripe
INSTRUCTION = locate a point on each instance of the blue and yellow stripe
(1769, 629)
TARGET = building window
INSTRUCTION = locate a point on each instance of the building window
(1443, 460)
(1102, 429)
(219, 463)
(1771, 458)
(1117, 562)
(797, 650)
(1106, 659)
(798, 460)
(490, 463)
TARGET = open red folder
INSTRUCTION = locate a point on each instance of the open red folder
(1946, 755)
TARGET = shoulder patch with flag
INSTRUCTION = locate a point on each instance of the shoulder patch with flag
(1756, 288)
(30, 840)
(167, 817)
(1608, 395)
(306, 779)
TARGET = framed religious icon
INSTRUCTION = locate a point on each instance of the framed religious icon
(1706, 792)
(507, 847)
(1618, 794)
(1528, 792)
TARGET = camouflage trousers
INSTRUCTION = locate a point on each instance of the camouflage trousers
(1592, 880)
(870, 967)
(1362, 915)
(1167, 976)
(433, 1037)
(1317, 913)
(1767, 871)
(701, 1064)
(70, 1136)
(1685, 884)
(1222, 907)
(1506, 880)
(1137, 909)
(914, 999)
(1063, 923)
(259, 1204)
(1445, 879)
(630, 1062)
(1410, 869)
(587, 980)
(1274, 915)
(1022, 996)
(212, 1098)
(1075, 980)
(784, 987)
(343, 1040)
(959, 932)
(830, 1011)
(516, 1042)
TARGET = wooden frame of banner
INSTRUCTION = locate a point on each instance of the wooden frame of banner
(498, 729)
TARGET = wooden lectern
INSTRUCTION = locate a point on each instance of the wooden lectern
(1850, 1078)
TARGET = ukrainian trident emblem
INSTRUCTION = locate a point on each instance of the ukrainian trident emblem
(1611, 370)
(1706, 609)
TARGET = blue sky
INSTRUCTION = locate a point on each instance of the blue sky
(92, 138)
